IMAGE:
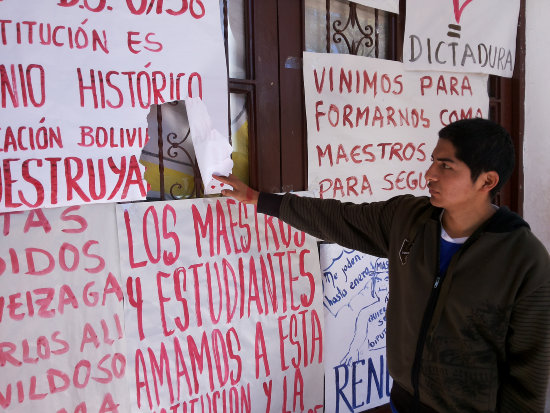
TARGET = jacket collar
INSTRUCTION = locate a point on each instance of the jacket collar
(503, 220)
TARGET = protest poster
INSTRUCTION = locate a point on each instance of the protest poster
(477, 36)
(355, 289)
(388, 5)
(372, 126)
(77, 81)
(224, 309)
(62, 343)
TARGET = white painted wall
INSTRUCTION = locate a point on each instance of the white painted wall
(536, 154)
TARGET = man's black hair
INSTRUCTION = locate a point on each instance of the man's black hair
(483, 146)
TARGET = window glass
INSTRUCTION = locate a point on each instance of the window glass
(239, 135)
(238, 101)
(236, 36)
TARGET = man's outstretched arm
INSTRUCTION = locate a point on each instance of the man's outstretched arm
(363, 227)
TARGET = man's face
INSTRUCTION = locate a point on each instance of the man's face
(449, 180)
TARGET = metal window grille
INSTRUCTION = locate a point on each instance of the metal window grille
(367, 34)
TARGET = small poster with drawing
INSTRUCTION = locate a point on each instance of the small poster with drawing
(356, 290)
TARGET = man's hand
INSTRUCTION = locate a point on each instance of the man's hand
(241, 192)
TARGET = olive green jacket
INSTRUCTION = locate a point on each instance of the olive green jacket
(475, 340)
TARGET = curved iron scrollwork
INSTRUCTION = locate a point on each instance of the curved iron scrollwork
(366, 45)
(172, 139)
(366, 32)
(173, 152)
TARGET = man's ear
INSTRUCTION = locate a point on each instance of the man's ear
(489, 180)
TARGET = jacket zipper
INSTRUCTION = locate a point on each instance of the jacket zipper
(429, 312)
(424, 326)
(422, 336)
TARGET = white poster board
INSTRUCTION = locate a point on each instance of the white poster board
(356, 292)
(61, 317)
(77, 81)
(388, 5)
(372, 126)
(224, 308)
(477, 36)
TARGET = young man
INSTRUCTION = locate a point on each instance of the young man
(468, 318)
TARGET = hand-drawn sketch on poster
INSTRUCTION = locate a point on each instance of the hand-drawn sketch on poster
(356, 292)
(388, 5)
(62, 345)
(372, 126)
(77, 82)
(224, 308)
(477, 36)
